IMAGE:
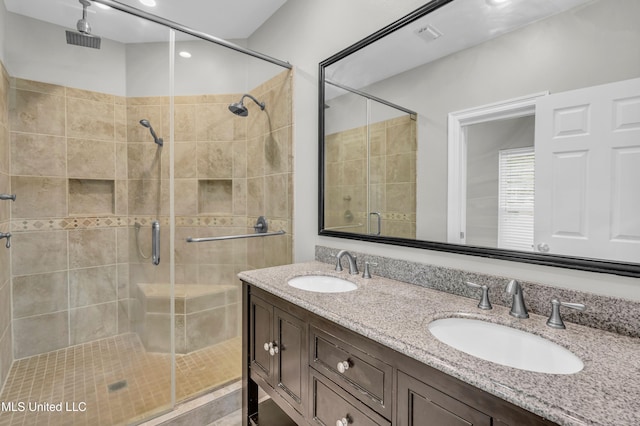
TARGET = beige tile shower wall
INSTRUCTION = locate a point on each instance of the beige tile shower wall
(86, 171)
(269, 170)
(70, 246)
(392, 178)
(228, 171)
(6, 348)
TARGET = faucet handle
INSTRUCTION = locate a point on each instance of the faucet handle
(555, 320)
(484, 301)
(6, 235)
(366, 274)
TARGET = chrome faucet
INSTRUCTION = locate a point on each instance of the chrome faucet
(518, 309)
(353, 267)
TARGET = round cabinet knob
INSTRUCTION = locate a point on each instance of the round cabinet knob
(342, 422)
(343, 366)
(267, 346)
(273, 349)
(543, 248)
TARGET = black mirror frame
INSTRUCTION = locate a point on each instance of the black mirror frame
(577, 263)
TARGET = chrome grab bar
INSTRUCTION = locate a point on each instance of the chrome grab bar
(357, 225)
(261, 227)
(234, 237)
(155, 243)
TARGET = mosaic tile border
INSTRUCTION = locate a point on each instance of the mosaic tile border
(404, 217)
(93, 222)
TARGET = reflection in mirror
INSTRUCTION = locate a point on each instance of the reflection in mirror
(487, 81)
(370, 165)
(509, 186)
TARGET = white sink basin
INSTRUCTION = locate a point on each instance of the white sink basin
(505, 345)
(322, 284)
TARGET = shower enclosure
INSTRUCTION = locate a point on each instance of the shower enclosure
(119, 155)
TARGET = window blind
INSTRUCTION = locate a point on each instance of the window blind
(516, 198)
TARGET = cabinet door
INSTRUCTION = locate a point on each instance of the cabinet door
(290, 369)
(260, 330)
(421, 405)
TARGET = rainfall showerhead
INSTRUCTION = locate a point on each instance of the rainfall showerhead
(238, 108)
(156, 139)
(83, 37)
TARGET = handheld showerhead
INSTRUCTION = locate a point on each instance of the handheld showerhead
(145, 123)
(238, 108)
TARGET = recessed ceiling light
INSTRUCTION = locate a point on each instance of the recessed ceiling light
(102, 6)
(496, 2)
(150, 3)
(185, 54)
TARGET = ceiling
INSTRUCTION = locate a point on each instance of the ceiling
(452, 28)
(228, 20)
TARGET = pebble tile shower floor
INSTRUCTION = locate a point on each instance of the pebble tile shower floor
(118, 380)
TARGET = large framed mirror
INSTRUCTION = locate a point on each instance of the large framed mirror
(507, 129)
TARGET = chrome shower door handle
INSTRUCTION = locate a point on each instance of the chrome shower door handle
(155, 242)
(379, 217)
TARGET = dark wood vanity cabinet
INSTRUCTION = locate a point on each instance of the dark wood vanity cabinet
(421, 404)
(319, 373)
(278, 351)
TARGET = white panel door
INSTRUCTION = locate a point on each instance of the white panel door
(587, 194)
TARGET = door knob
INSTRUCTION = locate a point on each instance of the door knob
(543, 248)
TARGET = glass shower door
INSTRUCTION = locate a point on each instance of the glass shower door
(392, 156)
(87, 335)
(228, 171)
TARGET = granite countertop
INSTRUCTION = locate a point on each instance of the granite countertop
(396, 314)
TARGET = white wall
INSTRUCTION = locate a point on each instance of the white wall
(305, 32)
(3, 29)
(210, 69)
(36, 50)
(349, 111)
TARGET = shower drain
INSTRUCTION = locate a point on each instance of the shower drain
(117, 386)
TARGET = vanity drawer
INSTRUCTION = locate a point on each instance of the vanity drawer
(360, 373)
(331, 405)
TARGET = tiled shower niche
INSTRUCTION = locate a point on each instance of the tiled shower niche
(91, 197)
(215, 196)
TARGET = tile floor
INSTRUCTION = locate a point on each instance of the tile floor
(232, 419)
(110, 382)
